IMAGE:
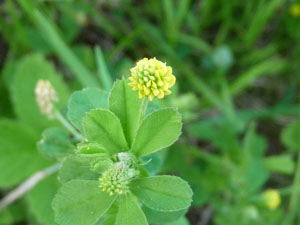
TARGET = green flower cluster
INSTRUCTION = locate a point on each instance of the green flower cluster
(117, 178)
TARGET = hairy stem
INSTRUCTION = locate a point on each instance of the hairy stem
(27, 185)
(68, 126)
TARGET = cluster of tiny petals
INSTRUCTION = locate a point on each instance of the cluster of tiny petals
(151, 78)
(115, 180)
(45, 96)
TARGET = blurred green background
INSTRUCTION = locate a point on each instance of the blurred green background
(237, 65)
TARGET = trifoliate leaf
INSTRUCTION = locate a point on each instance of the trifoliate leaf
(82, 102)
(40, 198)
(163, 193)
(126, 104)
(104, 127)
(31, 69)
(158, 130)
(130, 212)
(19, 157)
(81, 202)
(55, 143)
(75, 167)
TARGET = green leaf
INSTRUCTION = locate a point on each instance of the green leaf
(55, 143)
(104, 127)
(82, 102)
(101, 164)
(290, 136)
(103, 73)
(109, 221)
(158, 130)
(256, 175)
(126, 104)
(19, 157)
(99, 158)
(163, 193)
(75, 167)
(254, 145)
(181, 221)
(280, 163)
(156, 217)
(130, 212)
(39, 200)
(30, 70)
(87, 148)
(81, 202)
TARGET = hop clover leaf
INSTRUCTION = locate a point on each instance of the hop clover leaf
(117, 135)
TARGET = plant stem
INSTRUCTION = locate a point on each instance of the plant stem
(142, 111)
(103, 72)
(68, 126)
(229, 109)
(27, 185)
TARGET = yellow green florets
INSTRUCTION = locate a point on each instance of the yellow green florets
(151, 78)
(117, 178)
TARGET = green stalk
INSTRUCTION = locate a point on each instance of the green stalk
(103, 72)
(247, 115)
(68, 126)
(247, 78)
(63, 51)
(142, 111)
(229, 105)
(168, 7)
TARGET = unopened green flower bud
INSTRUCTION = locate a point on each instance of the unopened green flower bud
(45, 96)
(118, 177)
(152, 78)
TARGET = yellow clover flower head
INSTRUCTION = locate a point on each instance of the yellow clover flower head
(295, 10)
(151, 78)
(271, 198)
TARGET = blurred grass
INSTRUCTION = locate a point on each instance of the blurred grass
(236, 64)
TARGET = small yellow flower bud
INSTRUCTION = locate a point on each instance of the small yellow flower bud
(151, 78)
(271, 198)
(295, 10)
(45, 96)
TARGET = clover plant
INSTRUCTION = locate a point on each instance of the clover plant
(105, 180)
